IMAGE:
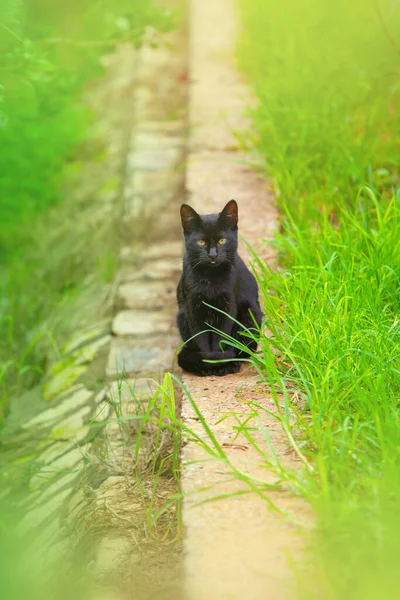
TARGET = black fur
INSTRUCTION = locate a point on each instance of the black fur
(214, 274)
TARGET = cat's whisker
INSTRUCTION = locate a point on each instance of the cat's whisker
(197, 263)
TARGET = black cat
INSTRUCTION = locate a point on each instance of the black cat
(214, 273)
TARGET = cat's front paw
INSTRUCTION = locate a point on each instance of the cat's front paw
(221, 370)
(229, 368)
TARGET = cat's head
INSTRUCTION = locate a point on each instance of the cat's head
(211, 240)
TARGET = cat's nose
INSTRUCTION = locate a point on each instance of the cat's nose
(212, 253)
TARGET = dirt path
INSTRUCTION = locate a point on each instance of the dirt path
(234, 547)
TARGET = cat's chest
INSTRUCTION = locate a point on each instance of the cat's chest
(203, 307)
(217, 293)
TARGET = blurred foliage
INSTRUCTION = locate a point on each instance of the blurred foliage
(47, 52)
(327, 78)
(50, 52)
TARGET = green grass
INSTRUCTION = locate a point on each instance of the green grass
(47, 54)
(326, 77)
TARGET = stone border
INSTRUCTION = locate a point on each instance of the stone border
(83, 474)
(47, 439)
(144, 336)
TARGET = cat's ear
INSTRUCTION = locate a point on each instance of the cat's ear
(190, 218)
(229, 216)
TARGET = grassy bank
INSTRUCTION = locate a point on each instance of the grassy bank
(47, 56)
(51, 241)
(326, 131)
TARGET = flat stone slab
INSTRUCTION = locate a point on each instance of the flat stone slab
(57, 413)
(88, 353)
(171, 249)
(132, 355)
(87, 337)
(61, 381)
(49, 501)
(167, 269)
(156, 139)
(69, 460)
(155, 295)
(154, 159)
(153, 84)
(152, 184)
(171, 127)
(141, 323)
(139, 389)
(55, 451)
(148, 192)
(72, 463)
(167, 250)
(75, 427)
(145, 107)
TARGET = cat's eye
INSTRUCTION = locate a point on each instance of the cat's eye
(222, 241)
(201, 242)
